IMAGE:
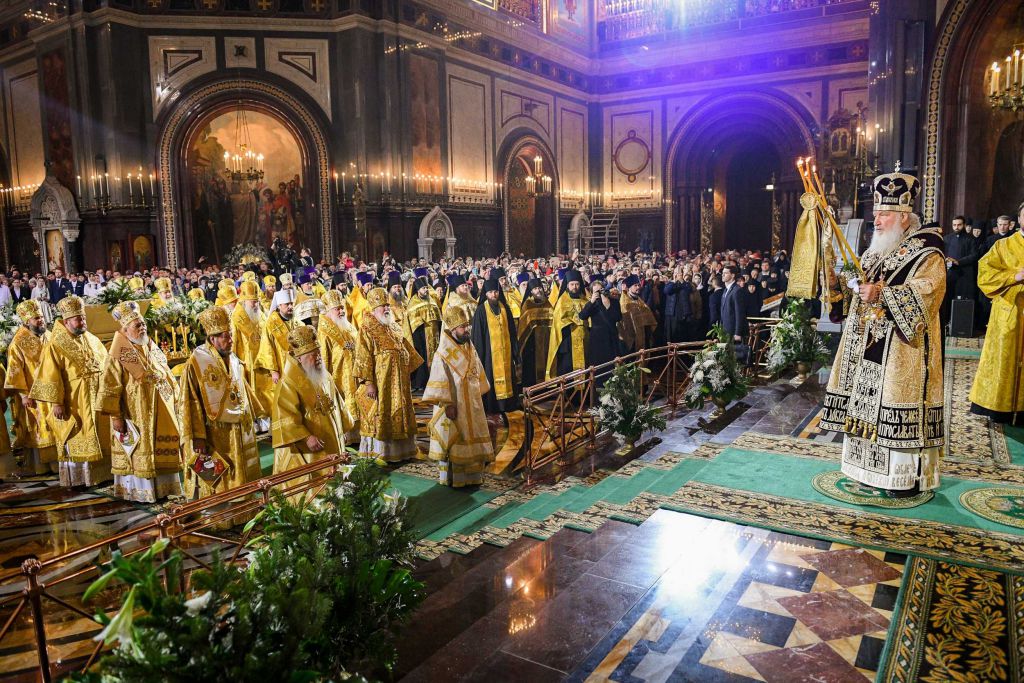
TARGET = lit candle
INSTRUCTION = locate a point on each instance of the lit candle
(1006, 85)
(335, 182)
(152, 195)
(344, 190)
(878, 133)
(131, 197)
(79, 181)
(120, 190)
(106, 185)
(403, 185)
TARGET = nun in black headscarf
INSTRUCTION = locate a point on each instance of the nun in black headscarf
(604, 314)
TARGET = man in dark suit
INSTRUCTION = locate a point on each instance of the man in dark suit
(78, 286)
(715, 301)
(20, 291)
(59, 287)
(734, 305)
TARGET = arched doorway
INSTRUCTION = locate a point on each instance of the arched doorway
(194, 190)
(531, 222)
(721, 158)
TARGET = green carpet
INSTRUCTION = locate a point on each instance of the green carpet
(953, 352)
(434, 506)
(1015, 444)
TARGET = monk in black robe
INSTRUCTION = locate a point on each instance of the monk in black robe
(534, 328)
(604, 314)
(567, 350)
(495, 341)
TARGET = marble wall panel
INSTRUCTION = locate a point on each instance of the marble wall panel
(572, 148)
(174, 61)
(470, 146)
(303, 62)
(633, 149)
(24, 124)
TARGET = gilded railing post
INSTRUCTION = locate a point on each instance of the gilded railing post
(30, 568)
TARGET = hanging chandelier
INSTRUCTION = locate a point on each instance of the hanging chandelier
(1006, 82)
(245, 165)
(538, 184)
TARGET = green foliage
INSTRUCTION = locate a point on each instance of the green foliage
(114, 293)
(795, 340)
(325, 586)
(9, 322)
(715, 372)
(620, 407)
(178, 311)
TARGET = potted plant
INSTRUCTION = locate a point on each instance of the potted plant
(795, 341)
(715, 374)
(621, 408)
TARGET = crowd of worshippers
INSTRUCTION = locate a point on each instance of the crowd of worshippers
(964, 247)
(327, 358)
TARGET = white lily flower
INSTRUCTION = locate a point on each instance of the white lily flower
(198, 603)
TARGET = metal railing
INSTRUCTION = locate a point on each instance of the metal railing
(558, 418)
(50, 590)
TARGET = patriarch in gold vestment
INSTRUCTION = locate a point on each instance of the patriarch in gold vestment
(217, 409)
(310, 419)
(31, 419)
(274, 339)
(567, 347)
(139, 393)
(460, 441)
(534, 332)
(246, 332)
(68, 379)
(885, 392)
(636, 328)
(384, 360)
(338, 349)
(423, 329)
(1001, 370)
(494, 338)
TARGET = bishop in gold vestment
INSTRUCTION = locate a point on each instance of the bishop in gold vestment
(567, 347)
(31, 419)
(1001, 278)
(217, 410)
(246, 333)
(338, 349)
(138, 390)
(384, 361)
(68, 379)
(637, 325)
(460, 441)
(309, 414)
(885, 392)
(274, 340)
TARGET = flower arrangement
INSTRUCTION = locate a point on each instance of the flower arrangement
(9, 322)
(114, 293)
(245, 254)
(715, 373)
(180, 314)
(795, 340)
(621, 409)
(318, 596)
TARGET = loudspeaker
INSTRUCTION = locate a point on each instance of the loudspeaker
(961, 318)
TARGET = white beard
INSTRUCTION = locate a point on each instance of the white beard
(883, 244)
(141, 340)
(345, 326)
(253, 313)
(318, 376)
(386, 319)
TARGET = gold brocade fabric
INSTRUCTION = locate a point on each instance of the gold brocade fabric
(273, 344)
(386, 358)
(69, 374)
(1000, 355)
(303, 408)
(456, 299)
(515, 301)
(338, 350)
(424, 313)
(501, 354)
(637, 323)
(136, 384)
(356, 307)
(535, 321)
(212, 390)
(806, 261)
(246, 334)
(31, 425)
(398, 310)
(567, 313)
(457, 378)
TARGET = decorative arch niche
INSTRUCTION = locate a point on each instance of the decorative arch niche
(181, 124)
(55, 223)
(528, 224)
(436, 233)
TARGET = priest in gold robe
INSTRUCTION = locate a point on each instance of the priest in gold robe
(310, 419)
(998, 390)
(396, 295)
(384, 361)
(246, 333)
(338, 350)
(494, 338)
(164, 292)
(274, 339)
(218, 406)
(267, 293)
(33, 438)
(68, 379)
(568, 344)
(636, 328)
(423, 328)
(458, 295)
(460, 441)
(139, 394)
(885, 392)
(357, 304)
(517, 294)
(534, 333)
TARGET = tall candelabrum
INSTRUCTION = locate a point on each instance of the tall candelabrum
(1006, 81)
(104, 192)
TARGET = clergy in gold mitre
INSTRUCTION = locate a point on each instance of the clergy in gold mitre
(357, 304)
(267, 293)
(338, 349)
(637, 325)
(137, 285)
(494, 338)
(196, 294)
(164, 293)
(568, 343)
(534, 332)
(139, 393)
(998, 390)
(227, 296)
(460, 441)
(458, 295)
(274, 339)
(384, 360)
(309, 416)
(423, 327)
(885, 392)
(218, 407)
(32, 434)
(246, 332)
(68, 379)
